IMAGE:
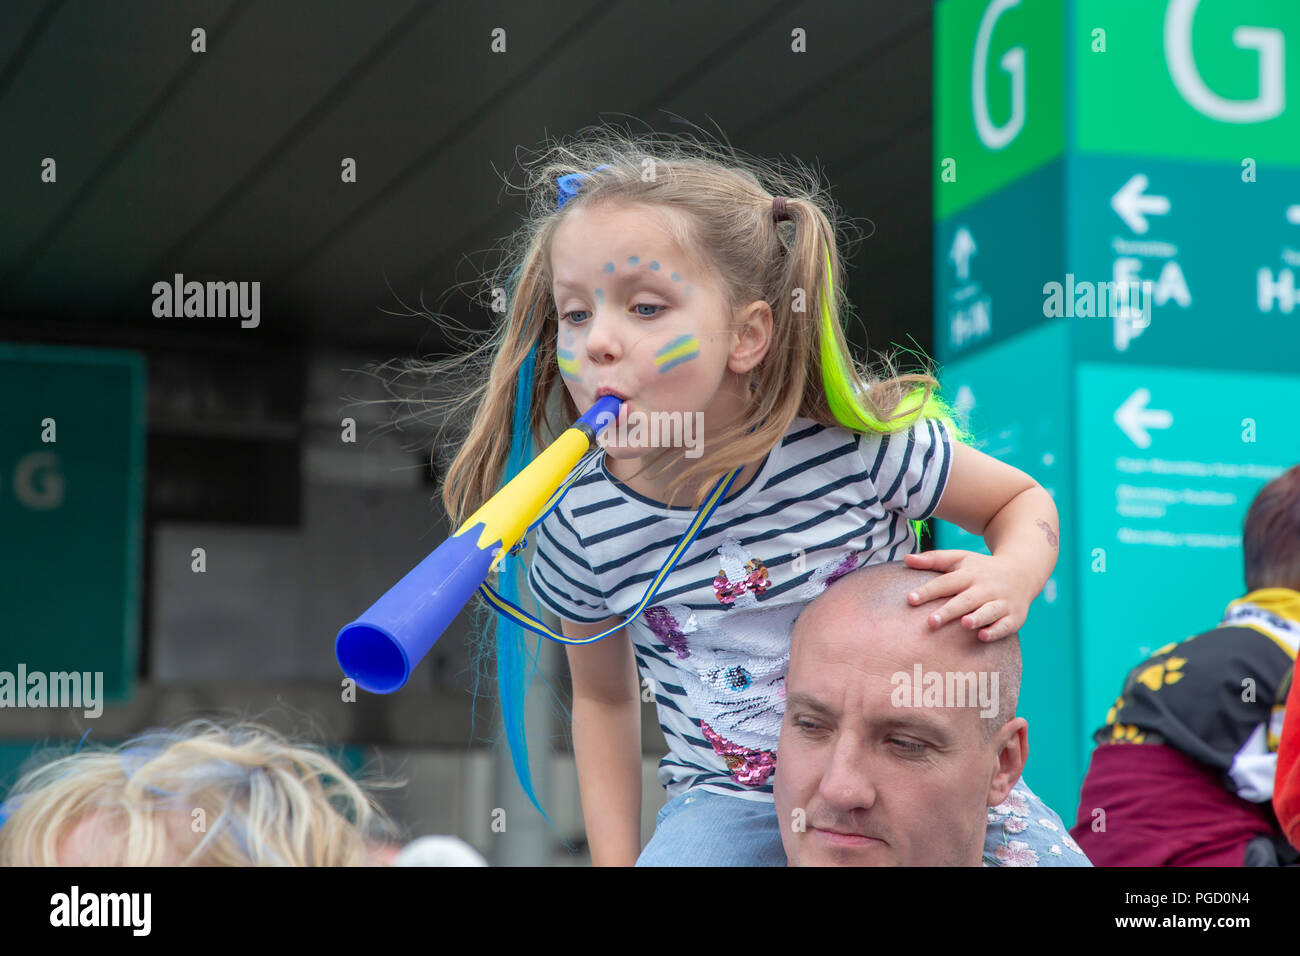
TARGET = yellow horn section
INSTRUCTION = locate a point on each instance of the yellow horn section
(507, 514)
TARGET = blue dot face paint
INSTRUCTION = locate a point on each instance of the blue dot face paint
(633, 260)
(677, 277)
(679, 350)
(609, 267)
(600, 295)
(654, 267)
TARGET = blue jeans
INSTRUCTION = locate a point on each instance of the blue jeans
(699, 828)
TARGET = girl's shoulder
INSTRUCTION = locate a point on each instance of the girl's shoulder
(909, 468)
(807, 437)
(925, 430)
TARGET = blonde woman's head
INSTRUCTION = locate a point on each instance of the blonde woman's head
(206, 794)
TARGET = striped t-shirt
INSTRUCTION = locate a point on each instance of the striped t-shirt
(714, 645)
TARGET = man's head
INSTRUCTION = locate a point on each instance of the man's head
(1271, 538)
(896, 734)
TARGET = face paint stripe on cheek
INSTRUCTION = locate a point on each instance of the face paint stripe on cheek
(568, 364)
(679, 350)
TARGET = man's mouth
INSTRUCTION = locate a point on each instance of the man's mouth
(846, 839)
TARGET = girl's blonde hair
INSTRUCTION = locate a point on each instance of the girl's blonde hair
(203, 795)
(717, 206)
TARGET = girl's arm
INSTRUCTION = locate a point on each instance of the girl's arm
(1019, 523)
(607, 740)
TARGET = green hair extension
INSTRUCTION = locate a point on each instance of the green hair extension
(844, 396)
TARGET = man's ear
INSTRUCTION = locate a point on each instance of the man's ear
(1011, 746)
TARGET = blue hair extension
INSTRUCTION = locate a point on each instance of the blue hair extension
(516, 663)
(514, 655)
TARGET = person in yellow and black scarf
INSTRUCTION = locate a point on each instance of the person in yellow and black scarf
(1184, 766)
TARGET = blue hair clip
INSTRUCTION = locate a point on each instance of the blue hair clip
(570, 184)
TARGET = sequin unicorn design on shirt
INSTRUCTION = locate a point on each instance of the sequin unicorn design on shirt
(755, 581)
(734, 671)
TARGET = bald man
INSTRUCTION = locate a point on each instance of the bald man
(900, 745)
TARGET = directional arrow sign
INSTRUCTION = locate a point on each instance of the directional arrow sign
(1159, 529)
(1133, 205)
(963, 247)
(1134, 418)
(1208, 266)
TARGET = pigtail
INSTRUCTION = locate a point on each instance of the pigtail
(845, 391)
(858, 403)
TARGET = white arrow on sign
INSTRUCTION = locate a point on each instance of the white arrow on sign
(1293, 215)
(1134, 418)
(1133, 207)
(963, 247)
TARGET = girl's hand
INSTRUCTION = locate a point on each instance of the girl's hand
(986, 591)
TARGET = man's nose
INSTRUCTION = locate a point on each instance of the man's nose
(847, 778)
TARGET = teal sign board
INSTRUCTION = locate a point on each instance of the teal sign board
(1214, 262)
(1169, 460)
(1117, 310)
(71, 512)
(992, 260)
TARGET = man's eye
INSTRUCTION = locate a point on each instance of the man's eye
(907, 746)
(806, 725)
(569, 316)
(647, 305)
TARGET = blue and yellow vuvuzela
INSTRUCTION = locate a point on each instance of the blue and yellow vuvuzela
(380, 648)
